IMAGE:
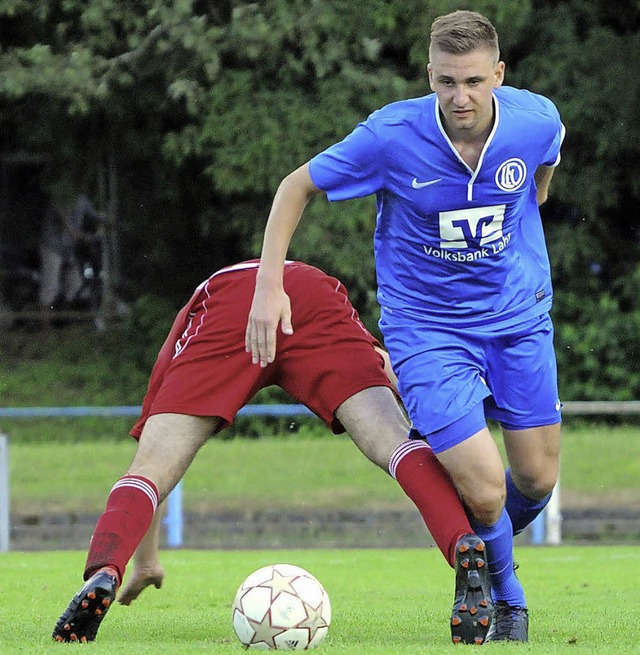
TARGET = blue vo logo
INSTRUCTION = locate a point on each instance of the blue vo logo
(471, 228)
(511, 174)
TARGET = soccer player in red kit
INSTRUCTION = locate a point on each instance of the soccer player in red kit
(201, 379)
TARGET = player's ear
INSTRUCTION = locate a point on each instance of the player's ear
(498, 74)
(430, 75)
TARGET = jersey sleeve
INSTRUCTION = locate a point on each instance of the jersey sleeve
(552, 156)
(350, 168)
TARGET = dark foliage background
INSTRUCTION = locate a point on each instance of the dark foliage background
(180, 117)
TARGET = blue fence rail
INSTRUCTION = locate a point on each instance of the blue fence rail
(133, 410)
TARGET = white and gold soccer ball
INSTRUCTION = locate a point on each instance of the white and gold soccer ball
(281, 607)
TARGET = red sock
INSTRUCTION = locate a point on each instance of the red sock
(127, 517)
(422, 477)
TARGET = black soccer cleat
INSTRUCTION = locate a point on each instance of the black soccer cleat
(82, 618)
(472, 612)
(510, 623)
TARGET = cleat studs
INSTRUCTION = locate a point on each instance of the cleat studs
(106, 602)
(464, 564)
(98, 612)
(473, 611)
(85, 604)
(483, 602)
(67, 626)
(480, 547)
(484, 621)
(456, 640)
(462, 608)
(73, 637)
(456, 620)
(59, 638)
(479, 563)
(91, 595)
(463, 548)
(478, 641)
(83, 640)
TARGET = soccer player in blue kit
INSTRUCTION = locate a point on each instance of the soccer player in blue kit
(464, 281)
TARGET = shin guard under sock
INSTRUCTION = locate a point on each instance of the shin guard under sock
(128, 514)
(498, 539)
(421, 476)
(522, 509)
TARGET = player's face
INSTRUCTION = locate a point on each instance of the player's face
(464, 85)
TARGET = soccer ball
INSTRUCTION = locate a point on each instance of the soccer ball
(281, 607)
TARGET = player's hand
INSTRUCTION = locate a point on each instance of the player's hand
(140, 579)
(271, 307)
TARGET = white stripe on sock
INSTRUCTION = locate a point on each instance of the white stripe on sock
(141, 485)
(404, 449)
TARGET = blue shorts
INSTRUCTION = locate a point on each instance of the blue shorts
(452, 380)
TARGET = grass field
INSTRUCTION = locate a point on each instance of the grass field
(583, 600)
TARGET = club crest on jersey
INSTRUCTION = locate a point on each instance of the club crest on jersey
(511, 174)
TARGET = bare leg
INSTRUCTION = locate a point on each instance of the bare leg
(476, 469)
(534, 456)
(379, 428)
(376, 423)
(168, 444)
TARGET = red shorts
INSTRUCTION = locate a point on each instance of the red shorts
(203, 370)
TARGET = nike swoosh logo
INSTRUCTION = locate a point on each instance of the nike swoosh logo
(419, 185)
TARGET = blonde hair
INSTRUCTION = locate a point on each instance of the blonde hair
(463, 31)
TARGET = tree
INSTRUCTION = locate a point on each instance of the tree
(186, 114)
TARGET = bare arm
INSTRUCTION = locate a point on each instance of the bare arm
(271, 305)
(543, 177)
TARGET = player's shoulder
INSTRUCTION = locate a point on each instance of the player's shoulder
(403, 111)
(523, 100)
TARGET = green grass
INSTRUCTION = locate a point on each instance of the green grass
(583, 600)
(600, 468)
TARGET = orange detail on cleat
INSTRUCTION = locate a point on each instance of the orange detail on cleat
(463, 548)
(478, 641)
(456, 620)
(484, 621)
(473, 610)
(465, 564)
(456, 640)
(98, 612)
(480, 563)
(480, 547)
(83, 640)
(483, 602)
(67, 626)
(85, 604)
(92, 595)
(462, 608)
(59, 638)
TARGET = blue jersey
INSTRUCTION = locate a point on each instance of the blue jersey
(452, 244)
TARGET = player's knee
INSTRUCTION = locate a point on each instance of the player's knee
(485, 504)
(538, 486)
(536, 483)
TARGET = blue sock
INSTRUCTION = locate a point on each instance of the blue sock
(498, 539)
(522, 510)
